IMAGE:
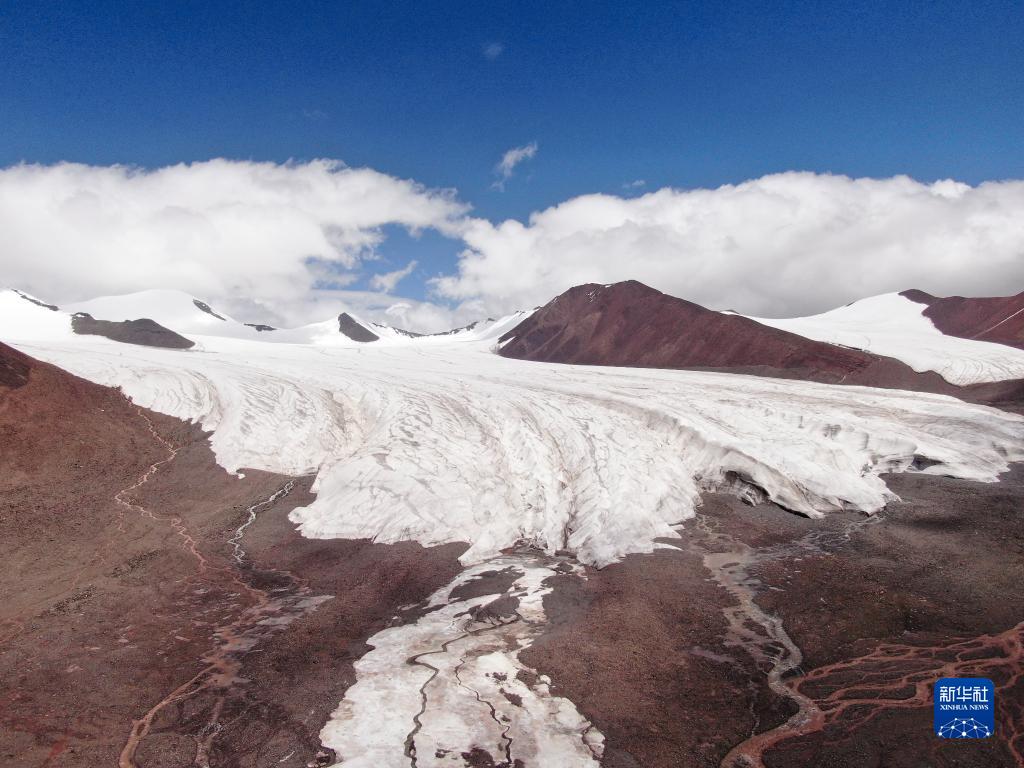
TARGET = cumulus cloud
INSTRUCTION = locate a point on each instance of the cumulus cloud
(506, 167)
(284, 244)
(492, 51)
(387, 281)
(240, 234)
(781, 245)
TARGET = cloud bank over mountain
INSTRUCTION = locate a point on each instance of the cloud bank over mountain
(287, 243)
(255, 236)
(782, 245)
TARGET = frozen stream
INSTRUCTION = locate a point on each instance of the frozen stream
(449, 687)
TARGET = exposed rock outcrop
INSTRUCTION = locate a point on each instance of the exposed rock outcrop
(144, 331)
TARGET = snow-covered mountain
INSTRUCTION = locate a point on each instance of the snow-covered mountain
(23, 316)
(895, 326)
(865, 342)
(176, 310)
(190, 316)
(484, 330)
(883, 341)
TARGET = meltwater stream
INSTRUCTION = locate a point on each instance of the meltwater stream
(449, 688)
(761, 634)
(892, 676)
(270, 610)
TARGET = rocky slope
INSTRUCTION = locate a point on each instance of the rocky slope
(997, 319)
(631, 324)
(140, 623)
(143, 331)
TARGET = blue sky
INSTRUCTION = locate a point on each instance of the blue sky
(682, 94)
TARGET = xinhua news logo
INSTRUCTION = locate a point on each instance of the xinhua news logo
(965, 708)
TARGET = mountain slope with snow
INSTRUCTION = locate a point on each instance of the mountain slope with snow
(188, 315)
(174, 310)
(632, 324)
(25, 317)
(483, 330)
(998, 319)
(895, 326)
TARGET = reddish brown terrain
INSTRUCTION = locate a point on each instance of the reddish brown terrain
(998, 319)
(132, 631)
(668, 654)
(631, 324)
(14, 368)
(145, 624)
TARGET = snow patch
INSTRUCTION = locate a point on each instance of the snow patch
(894, 326)
(175, 310)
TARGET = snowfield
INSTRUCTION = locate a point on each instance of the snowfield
(894, 326)
(440, 440)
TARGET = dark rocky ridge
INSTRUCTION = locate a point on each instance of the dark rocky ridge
(145, 332)
(37, 302)
(348, 326)
(462, 328)
(202, 305)
(999, 319)
(631, 324)
(409, 334)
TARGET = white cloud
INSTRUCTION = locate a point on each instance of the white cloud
(387, 309)
(283, 243)
(240, 234)
(783, 244)
(635, 184)
(492, 51)
(513, 157)
(388, 280)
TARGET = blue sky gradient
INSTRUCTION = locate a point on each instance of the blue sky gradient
(673, 94)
